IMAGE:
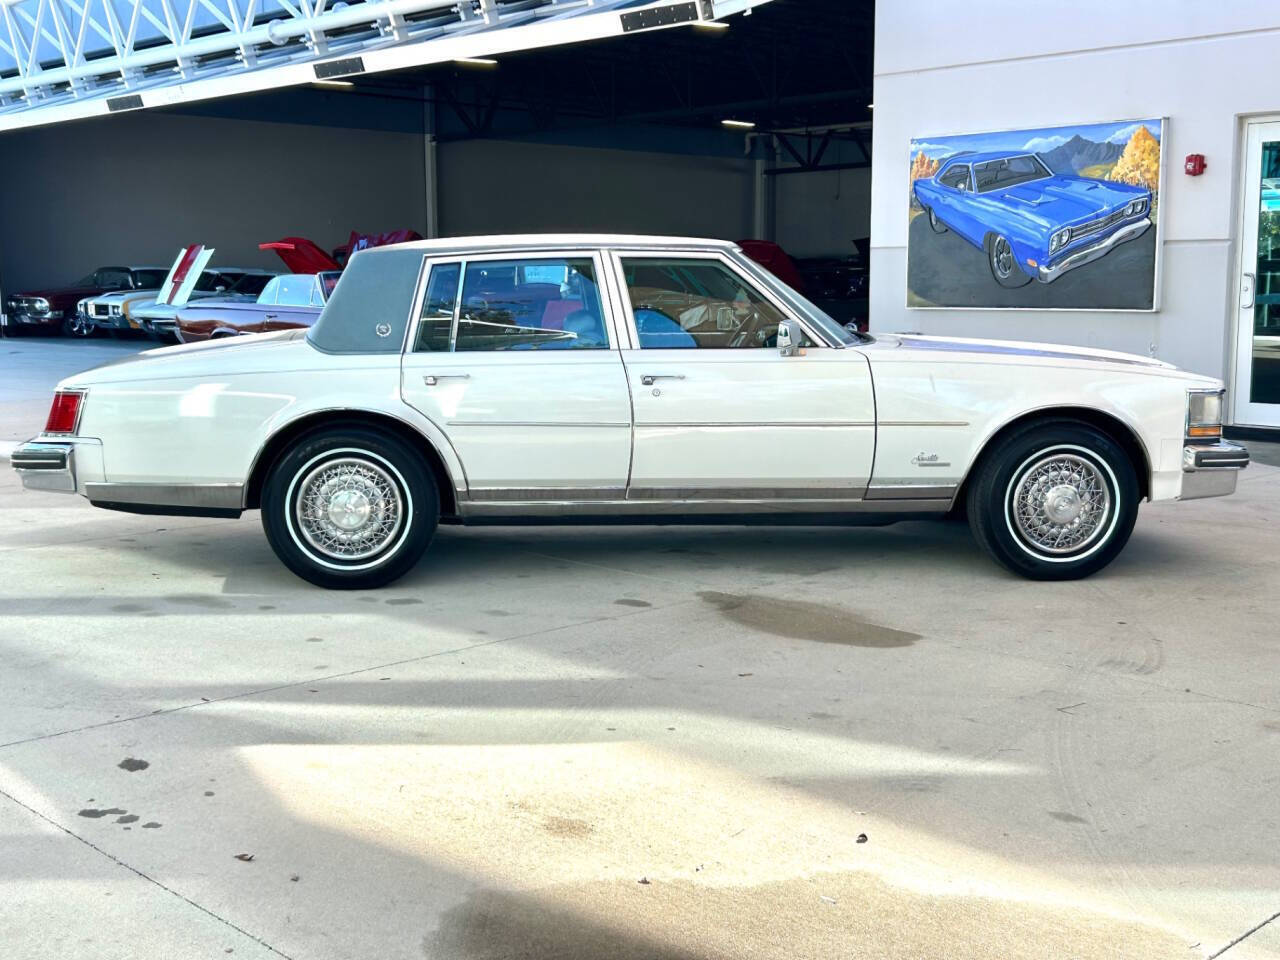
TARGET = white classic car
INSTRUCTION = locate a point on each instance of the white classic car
(603, 378)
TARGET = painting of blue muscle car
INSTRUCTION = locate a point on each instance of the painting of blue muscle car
(1034, 207)
(1031, 223)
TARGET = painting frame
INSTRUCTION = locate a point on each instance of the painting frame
(915, 302)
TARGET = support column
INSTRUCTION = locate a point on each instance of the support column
(431, 193)
(763, 197)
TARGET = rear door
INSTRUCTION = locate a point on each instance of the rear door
(514, 358)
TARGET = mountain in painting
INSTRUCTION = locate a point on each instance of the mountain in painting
(1079, 154)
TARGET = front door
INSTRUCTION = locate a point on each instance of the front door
(1256, 386)
(513, 359)
(720, 414)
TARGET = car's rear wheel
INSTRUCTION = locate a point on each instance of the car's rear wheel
(350, 507)
(77, 325)
(1055, 501)
(937, 225)
(1004, 265)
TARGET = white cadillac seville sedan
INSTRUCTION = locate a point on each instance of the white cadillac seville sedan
(609, 378)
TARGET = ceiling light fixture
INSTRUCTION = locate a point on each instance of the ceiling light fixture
(477, 61)
(739, 124)
(333, 83)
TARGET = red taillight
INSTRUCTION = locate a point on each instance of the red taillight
(64, 412)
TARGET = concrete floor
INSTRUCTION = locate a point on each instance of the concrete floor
(632, 743)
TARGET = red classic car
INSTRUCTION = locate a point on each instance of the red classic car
(287, 301)
(55, 308)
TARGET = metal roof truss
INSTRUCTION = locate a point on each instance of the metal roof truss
(67, 59)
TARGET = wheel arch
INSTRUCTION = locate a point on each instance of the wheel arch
(294, 430)
(1113, 426)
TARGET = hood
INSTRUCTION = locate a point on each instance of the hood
(1062, 200)
(120, 296)
(1018, 348)
(59, 293)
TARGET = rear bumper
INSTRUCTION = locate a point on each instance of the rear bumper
(46, 466)
(1211, 469)
(1094, 251)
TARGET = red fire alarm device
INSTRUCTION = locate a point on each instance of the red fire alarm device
(1195, 164)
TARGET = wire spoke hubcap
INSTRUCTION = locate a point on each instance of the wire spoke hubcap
(349, 509)
(1061, 503)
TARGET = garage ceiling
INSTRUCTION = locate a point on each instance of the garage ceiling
(66, 59)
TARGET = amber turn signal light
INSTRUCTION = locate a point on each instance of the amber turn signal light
(1214, 431)
(64, 413)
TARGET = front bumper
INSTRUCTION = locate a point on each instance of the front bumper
(21, 318)
(1094, 251)
(1211, 469)
(120, 322)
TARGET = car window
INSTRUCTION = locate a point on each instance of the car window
(519, 305)
(957, 177)
(268, 294)
(208, 282)
(110, 279)
(436, 325)
(697, 304)
(1008, 172)
(148, 279)
(328, 280)
(294, 289)
(251, 284)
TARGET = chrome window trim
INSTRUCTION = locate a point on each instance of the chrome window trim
(593, 253)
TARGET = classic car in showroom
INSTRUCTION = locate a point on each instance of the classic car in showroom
(1031, 223)
(571, 378)
(114, 312)
(160, 320)
(288, 301)
(55, 308)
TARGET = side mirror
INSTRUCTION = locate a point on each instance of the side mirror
(789, 338)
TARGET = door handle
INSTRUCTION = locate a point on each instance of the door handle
(1248, 284)
(649, 379)
(432, 379)
(270, 316)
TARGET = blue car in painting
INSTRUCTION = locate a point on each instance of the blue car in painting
(1031, 223)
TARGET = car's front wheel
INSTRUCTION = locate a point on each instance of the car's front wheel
(78, 325)
(1004, 265)
(350, 507)
(1055, 501)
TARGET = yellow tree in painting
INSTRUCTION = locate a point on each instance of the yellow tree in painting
(1139, 164)
(922, 166)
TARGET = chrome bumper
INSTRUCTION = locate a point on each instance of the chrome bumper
(1211, 469)
(46, 466)
(1094, 251)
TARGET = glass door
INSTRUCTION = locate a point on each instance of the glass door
(1257, 375)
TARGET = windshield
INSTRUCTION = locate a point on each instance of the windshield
(251, 284)
(821, 319)
(148, 279)
(1008, 172)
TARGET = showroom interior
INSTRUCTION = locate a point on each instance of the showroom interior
(614, 135)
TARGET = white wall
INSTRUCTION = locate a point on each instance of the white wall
(136, 188)
(1019, 64)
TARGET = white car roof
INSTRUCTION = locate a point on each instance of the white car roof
(546, 240)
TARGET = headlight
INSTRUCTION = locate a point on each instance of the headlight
(115, 309)
(41, 305)
(1204, 414)
(1059, 239)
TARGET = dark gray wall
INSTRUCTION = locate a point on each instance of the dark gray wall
(510, 187)
(136, 188)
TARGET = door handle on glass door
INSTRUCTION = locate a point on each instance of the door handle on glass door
(1247, 285)
(649, 379)
(432, 379)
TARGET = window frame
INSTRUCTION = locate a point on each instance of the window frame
(762, 290)
(464, 259)
(968, 177)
